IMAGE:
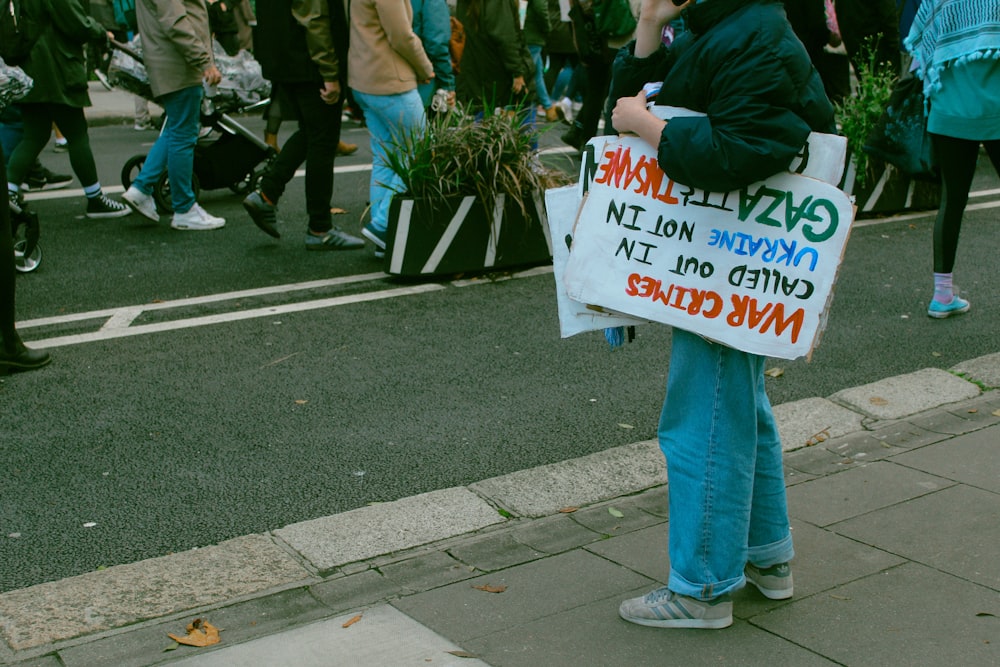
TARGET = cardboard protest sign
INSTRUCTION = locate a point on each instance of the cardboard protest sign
(562, 205)
(753, 269)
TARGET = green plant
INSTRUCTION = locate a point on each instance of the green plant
(460, 154)
(858, 113)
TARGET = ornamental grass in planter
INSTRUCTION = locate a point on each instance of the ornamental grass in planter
(473, 196)
(878, 187)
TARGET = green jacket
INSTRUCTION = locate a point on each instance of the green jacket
(56, 61)
(536, 22)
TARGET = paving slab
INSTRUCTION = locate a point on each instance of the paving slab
(624, 515)
(813, 420)
(494, 552)
(332, 541)
(555, 534)
(383, 636)
(545, 490)
(126, 594)
(427, 571)
(593, 635)
(854, 492)
(973, 459)
(954, 530)
(984, 370)
(910, 615)
(905, 395)
(533, 591)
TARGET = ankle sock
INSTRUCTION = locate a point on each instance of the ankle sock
(943, 290)
(92, 191)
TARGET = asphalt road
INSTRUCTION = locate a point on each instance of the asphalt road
(270, 385)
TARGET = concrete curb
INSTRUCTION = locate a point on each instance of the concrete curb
(80, 609)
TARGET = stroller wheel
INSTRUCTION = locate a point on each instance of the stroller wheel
(161, 194)
(246, 184)
(26, 264)
(131, 169)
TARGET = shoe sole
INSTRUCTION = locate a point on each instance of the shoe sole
(263, 225)
(772, 593)
(330, 247)
(688, 623)
(7, 368)
(110, 214)
(138, 210)
(940, 315)
(193, 228)
(379, 243)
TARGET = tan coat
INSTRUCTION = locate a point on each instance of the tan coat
(176, 43)
(386, 57)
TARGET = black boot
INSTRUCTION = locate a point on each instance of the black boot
(25, 359)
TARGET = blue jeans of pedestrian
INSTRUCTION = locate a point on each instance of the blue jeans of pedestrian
(173, 151)
(724, 463)
(391, 119)
(540, 90)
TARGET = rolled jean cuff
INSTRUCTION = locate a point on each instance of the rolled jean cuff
(771, 554)
(679, 584)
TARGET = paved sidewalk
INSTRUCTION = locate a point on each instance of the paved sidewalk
(894, 492)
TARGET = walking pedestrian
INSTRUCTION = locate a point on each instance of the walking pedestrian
(432, 24)
(497, 71)
(14, 354)
(955, 46)
(58, 65)
(177, 52)
(740, 64)
(302, 49)
(386, 62)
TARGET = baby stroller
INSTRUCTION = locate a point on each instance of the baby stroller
(231, 156)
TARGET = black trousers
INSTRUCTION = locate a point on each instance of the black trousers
(11, 341)
(313, 143)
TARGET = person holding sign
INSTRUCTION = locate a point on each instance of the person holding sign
(741, 66)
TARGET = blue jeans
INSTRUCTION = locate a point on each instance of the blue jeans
(540, 90)
(392, 119)
(173, 151)
(724, 462)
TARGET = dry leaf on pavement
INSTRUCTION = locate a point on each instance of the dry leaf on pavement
(615, 513)
(568, 510)
(462, 654)
(490, 589)
(351, 621)
(199, 633)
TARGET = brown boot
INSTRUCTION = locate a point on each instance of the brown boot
(552, 114)
(346, 149)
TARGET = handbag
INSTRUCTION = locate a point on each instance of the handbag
(900, 135)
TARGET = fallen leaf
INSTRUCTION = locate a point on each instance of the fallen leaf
(973, 411)
(986, 613)
(568, 510)
(774, 372)
(462, 654)
(336, 210)
(615, 513)
(490, 589)
(995, 413)
(817, 438)
(839, 597)
(935, 354)
(301, 401)
(626, 426)
(878, 400)
(351, 621)
(199, 633)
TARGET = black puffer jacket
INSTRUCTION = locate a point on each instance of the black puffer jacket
(741, 64)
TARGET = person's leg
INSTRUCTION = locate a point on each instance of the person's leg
(540, 90)
(293, 153)
(73, 124)
(709, 433)
(957, 162)
(390, 118)
(37, 128)
(183, 111)
(769, 539)
(321, 123)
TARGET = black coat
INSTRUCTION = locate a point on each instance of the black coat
(741, 64)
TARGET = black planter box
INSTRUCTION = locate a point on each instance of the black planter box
(888, 190)
(429, 237)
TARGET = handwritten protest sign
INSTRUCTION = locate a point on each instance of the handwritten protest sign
(753, 268)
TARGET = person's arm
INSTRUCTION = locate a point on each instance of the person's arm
(314, 16)
(436, 37)
(73, 21)
(402, 39)
(630, 113)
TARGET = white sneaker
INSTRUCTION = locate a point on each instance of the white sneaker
(141, 203)
(196, 219)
